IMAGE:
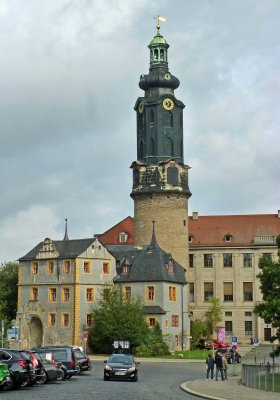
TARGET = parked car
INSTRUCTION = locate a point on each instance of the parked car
(5, 378)
(46, 355)
(54, 371)
(40, 373)
(21, 369)
(121, 366)
(84, 363)
(217, 344)
(65, 355)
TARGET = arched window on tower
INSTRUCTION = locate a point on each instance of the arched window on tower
(168, 119)
(172, 176)
(141, 149)
(156, 54)
(153, 146)
(141, 121)
(169, 151)
(152, 118)
(161, 55)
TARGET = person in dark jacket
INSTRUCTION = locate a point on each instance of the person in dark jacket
(210, 365)
(219, 365)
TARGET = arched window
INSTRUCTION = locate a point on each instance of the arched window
(152, 117)
(141, 149)
(172, 176)
(153, 146)
(168, 119)
(161, 55)
(141, 121)
(169, 147)
(156, 54)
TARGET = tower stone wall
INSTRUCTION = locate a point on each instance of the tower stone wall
(170, 213)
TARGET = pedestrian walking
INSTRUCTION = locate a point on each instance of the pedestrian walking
(219, 365)
(210, 365)
(225, 366)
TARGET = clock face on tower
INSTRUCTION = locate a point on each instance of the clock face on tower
(168, 104)
(141, 107)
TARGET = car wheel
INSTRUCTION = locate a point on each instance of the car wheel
(62, 376)
(135, 379)
(79, 370)
(42, 379)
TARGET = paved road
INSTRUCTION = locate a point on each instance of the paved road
(157, 381)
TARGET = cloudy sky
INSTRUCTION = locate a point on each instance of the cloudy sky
(69, 76)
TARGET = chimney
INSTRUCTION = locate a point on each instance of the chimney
(195, 215)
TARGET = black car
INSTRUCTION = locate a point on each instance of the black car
(53, 370)
(84, 363)
(121, 366)
(20, 366)
(64, 355)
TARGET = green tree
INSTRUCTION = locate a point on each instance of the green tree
(8, 291)
(269, 309)
(117, 318)
(198, 331)
(213, 315)
(153, 344)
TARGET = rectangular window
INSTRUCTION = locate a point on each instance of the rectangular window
(34, 293)
(228, 328)
(248, 314)
(89, 318)
(191, 292)
(34, 268)
(65, 319)
(87, 269)
(208, 260)
(227, 258)
(166, 323)
(66, 267)
(52, 294)
(228, 291)
(208, 290)
(127, 292)
(191, 261)
(106, 268)
(52, 319)
(172, 293)
(228, 313)
(267, 256)
(175, 321)
(90, 294)
(150, 293)
(152, 321)
(247, 260)
(248, 291)
(50, 267)
(65, 294)
(248, 328)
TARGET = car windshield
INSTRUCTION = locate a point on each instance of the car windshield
(121, 359)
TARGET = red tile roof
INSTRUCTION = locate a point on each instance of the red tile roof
(111, 236)
(211, 230)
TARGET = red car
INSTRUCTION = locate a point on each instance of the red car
(219, 345)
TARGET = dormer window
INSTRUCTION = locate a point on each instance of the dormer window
(125, 269)
(170, 266)
(123, 237)
(227, 238)
(190, 238)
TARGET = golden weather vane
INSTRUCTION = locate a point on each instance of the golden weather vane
(159, 18)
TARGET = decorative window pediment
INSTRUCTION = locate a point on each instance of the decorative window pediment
(47, 250)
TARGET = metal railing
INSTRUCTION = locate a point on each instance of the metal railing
(263, 376)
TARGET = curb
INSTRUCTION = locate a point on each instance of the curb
(186, 389)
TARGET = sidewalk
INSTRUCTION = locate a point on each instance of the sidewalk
(230, 389)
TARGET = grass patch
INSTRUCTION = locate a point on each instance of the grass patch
(191, 354)
(266, 382)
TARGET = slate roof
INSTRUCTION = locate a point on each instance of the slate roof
(154, 310)
(65, 248)
(148, 264)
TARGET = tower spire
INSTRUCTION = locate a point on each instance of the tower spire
(66, 233)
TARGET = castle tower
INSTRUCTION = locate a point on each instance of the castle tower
(160, 178)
